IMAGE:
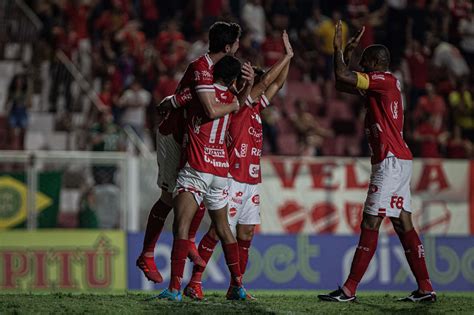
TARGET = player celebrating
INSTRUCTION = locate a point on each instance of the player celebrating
(203, 177)
(389, 188)
(245, 149)
(198, 78)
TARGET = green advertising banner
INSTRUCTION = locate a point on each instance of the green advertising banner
(62, 260)
(13, 196)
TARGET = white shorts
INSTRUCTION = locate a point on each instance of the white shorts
(168, 154)
(211, 189)
(244, 204)
(389, 188)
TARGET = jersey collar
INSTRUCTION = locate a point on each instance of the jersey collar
(209, 60)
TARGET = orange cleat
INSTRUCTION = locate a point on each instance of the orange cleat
(147, 265)
(194, 291)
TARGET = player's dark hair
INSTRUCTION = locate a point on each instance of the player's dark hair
(222, 34)
(227, 69)
(378, 54)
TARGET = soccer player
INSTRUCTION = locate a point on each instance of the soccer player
(389, 188)
(198, 78)
(203, 178)
(245, 149)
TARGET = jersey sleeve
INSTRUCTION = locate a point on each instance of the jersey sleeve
(181, 98)
(377, 82)
(263, 103)
(203, 78)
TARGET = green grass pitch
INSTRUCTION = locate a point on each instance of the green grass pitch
(268, 302)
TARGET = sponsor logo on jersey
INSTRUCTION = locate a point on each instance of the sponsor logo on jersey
(373, 188)
(218, 153)
(254, 170)
(378, 77)
(256, 152)
(186, 95)
(196, 123)
(256, 133)
(243, 151)
(394, 109)
(215, 163)
(256, 199)
(232, 212)
(206, 75)
(223, 96)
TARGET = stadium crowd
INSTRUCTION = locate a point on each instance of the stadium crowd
(135, 52)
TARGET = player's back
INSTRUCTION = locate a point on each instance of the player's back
(205, 137)
(384, 118)
(197, 77)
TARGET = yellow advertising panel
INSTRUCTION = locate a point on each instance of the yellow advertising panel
(63, 260)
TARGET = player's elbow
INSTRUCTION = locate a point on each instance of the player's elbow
(211, 113)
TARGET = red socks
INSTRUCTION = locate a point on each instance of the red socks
(179, 254)
(364, 253)
(154, 225)
(196, 222)
(416, 259)
(244, 247)
(206, 248)
(231, 253)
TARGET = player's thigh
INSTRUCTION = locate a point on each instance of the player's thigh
(384, 182)
(216, 196)
(168, 154)
(236, 200)
(250, 212)
(194, 182)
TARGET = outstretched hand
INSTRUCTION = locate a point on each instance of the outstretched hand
(248, 73)
(354, 41)
(286, 42)
(337, 43)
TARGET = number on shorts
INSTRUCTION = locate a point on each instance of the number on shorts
(396, 202)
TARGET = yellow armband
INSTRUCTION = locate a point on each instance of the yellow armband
(362, 81)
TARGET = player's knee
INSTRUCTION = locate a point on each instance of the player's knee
(370, 222)
(245, 232)
(212, 232)
(167, 198)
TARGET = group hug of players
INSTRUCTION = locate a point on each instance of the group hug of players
(209, 150)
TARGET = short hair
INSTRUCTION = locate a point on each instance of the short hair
(377, 53)
(222, 34)
(227, 69)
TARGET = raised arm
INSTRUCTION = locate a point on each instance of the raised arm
(275, 72)
(341, 69)
(352, 45)
(215, 109)
(248, 75)
(276, 85)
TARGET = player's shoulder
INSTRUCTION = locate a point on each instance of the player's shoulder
(202, 62)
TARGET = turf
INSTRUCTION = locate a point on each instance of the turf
(269, 302)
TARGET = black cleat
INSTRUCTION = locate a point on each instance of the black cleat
(336, 296)
(416, 296)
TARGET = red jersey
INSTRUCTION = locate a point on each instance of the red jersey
(384, 117)
(197, 77)
(204, 144)
(246, 142)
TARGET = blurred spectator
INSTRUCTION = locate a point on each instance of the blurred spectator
(466, 32)
(309, 131)
(253, 17)
(458, 147)
(462, 106)
(208, 12)
(150, 16)
(18, 102)
(199, 47)
(430, 136)
(448, 58)
(105, 136)
(417, 59)
(272, 48)
(134, 102)
(432, 104)
(325, 35)
(100, 207)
